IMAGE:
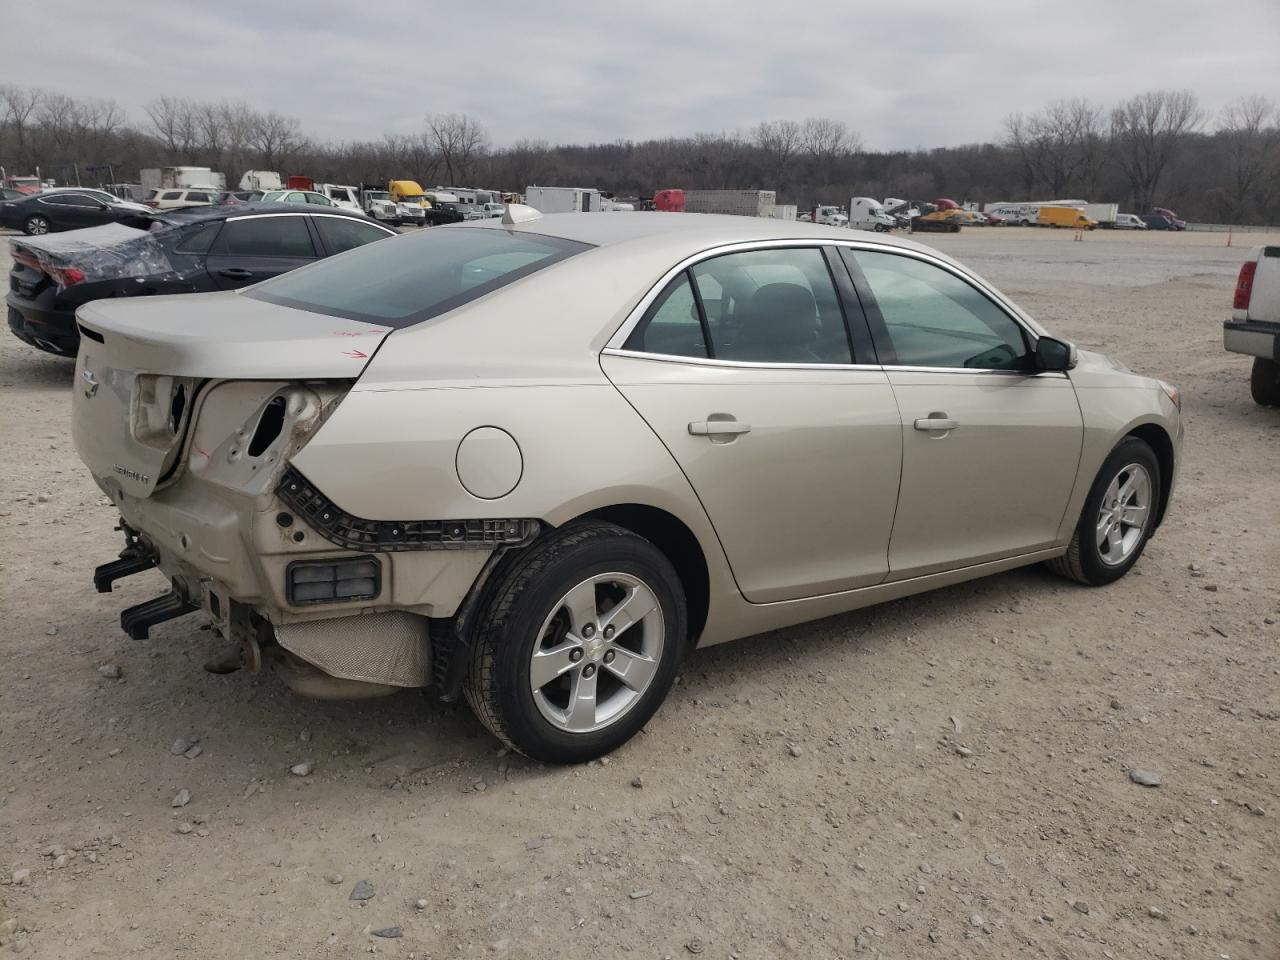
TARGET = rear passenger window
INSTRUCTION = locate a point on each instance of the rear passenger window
(772, 306)
(198, 197)
(172, 195)
(345, 233)
(198, 240)
(268, 237)
(671, 325)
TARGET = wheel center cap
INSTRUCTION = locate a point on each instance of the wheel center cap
(595, 647)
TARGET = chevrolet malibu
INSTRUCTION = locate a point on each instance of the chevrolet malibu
(533, 461)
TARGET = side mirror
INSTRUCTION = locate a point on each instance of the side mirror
(1052, 354)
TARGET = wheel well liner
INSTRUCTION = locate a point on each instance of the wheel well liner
(669, 534)
(1159, 441)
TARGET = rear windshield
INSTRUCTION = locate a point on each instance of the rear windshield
(417, 276)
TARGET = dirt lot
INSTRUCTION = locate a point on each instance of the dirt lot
(942, 776)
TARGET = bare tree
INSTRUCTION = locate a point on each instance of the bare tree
(176, 122)
(274, 136)
(1252, 138)
(458, 140)
(826, 144)
(1146, 133)
(1094, 146)
(780, 141)
(1018, 138)
(20, 103)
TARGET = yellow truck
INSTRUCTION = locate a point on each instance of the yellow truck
(1064, 217)
(410, 200)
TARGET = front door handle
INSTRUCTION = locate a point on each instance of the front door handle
(236, 273)
(714, 428)
(936, 421)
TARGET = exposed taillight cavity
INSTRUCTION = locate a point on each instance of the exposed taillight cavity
(66, 276)
(1244, 286)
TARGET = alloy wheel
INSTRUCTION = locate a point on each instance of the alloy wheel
(1123, 514)
(37, 226)
(597, 652)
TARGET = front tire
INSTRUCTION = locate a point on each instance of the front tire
(578, 643)
(1118, 517)
(36, 225)
(1264, 382)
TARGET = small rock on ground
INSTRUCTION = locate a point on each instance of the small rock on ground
(182, 798)
(1145, 778)
(111, 671)
(388, 933)
(363, 890)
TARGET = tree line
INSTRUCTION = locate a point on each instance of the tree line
(1155, 148)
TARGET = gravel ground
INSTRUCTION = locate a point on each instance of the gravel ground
(947, 775)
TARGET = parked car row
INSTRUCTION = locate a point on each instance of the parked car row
(184, 251)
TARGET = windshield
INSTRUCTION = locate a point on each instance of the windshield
(416, 198)
(416, 277)
(274, 194)
(376, 194)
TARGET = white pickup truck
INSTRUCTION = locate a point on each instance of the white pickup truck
(1254, 327)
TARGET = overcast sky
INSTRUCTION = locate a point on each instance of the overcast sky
(902, 74)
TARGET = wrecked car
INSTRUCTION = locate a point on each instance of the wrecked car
(533, 460)
(205, 249)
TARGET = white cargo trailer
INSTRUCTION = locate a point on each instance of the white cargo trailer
(742, 203)
(263, 180)
(785, 211)
(179, 178)
(563, 199)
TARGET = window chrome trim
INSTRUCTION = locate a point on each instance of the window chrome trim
(762, 365)
(263, 216)
(615, 344)
(367, 220)
(742, 364)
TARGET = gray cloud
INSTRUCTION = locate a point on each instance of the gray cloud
(916, 74)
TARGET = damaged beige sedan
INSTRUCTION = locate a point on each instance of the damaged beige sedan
(535, 460)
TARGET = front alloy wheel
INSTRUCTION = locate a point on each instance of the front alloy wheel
(36, 226)
(1118, 517)
(577, 642)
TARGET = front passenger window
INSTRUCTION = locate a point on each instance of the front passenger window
(935, 319)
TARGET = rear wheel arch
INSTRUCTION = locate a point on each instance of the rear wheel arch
(678, 543)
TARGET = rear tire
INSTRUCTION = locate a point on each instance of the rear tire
(1109, 539)
(548, 658)
(36, 225)
(1264, 382)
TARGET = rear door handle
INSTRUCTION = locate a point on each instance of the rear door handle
(236, 273)
(936, 421)
(713, 428)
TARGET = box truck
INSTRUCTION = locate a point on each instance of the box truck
(262, 180)
(741, 203)
(563, 199)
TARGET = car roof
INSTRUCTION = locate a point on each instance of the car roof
(682, 230)
(224, 211)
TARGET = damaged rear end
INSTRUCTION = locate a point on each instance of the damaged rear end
(188, 414)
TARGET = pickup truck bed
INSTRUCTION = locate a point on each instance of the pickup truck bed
(1254, 327)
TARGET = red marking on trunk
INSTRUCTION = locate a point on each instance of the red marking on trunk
(356, 354)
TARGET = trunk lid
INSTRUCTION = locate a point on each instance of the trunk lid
(143, 361)
(109, 252)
